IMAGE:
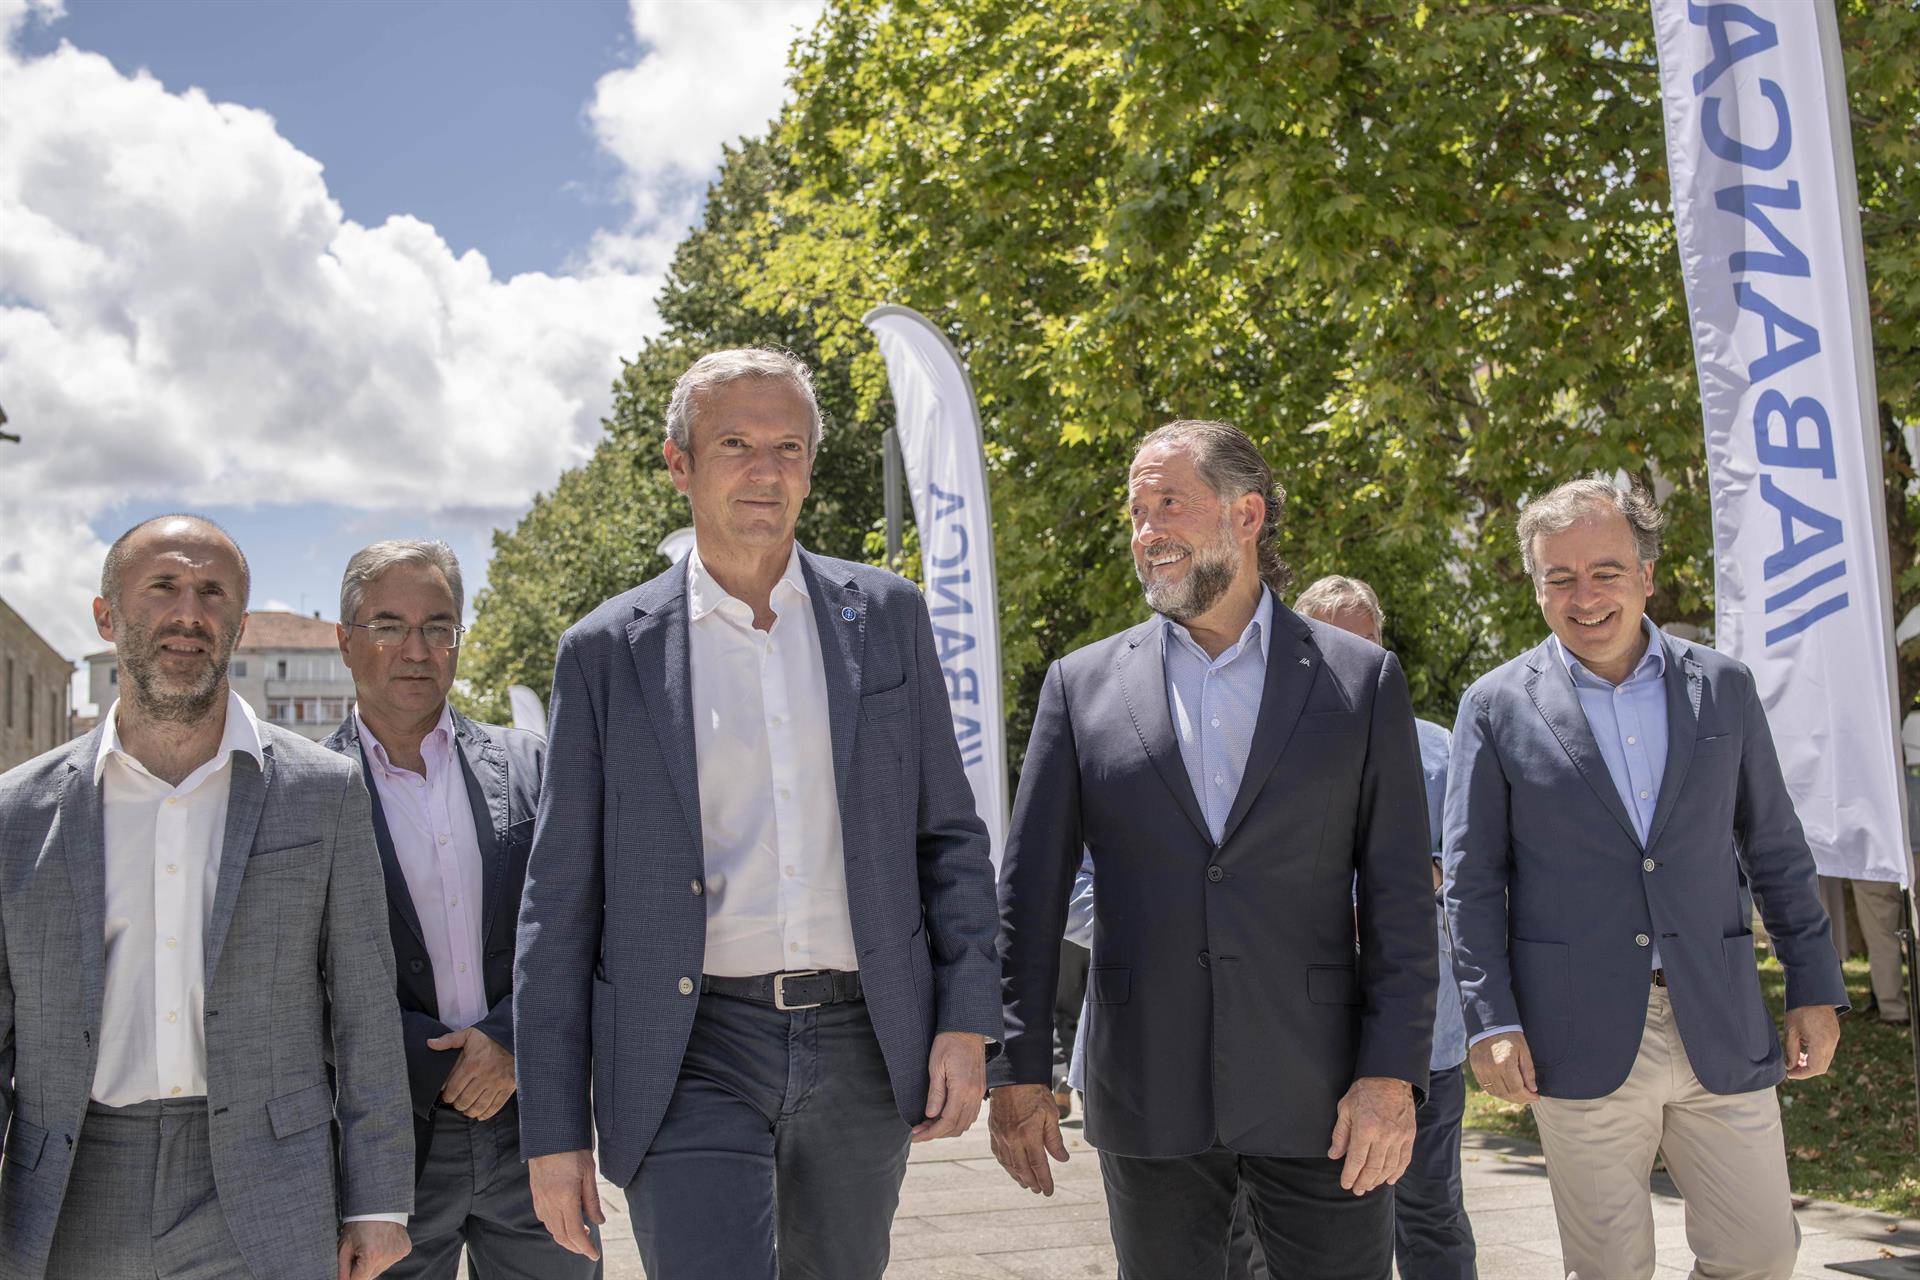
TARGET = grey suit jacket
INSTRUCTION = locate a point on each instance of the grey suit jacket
(1555, 902)
(299, 977)
(613, 920)
(1229, 999)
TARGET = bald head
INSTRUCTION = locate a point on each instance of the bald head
(184, 531)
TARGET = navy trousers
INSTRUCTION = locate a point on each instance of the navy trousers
(781, 1154)
(1432, 1239)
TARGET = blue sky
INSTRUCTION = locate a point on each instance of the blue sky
(332, 272)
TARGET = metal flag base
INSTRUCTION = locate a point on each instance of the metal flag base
(1881, 1268)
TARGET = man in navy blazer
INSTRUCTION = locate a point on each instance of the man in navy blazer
(757, 937)
(1261, 995)
(1609, 790)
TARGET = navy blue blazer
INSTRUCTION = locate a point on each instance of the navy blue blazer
(1229, 999)
(501, 769)
(1555, 902)
(613, 921)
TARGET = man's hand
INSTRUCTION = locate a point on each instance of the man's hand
(565, 1197)
(368, 1248)
(1504, 1067)
(1812, 1035)
(1024, 1125)
(956, 1082)
(482, 1079)
(1374, 1131)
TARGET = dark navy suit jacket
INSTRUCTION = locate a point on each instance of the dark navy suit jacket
(1229, 1000)
(501, 767)
(1555, 902)
(612, 925)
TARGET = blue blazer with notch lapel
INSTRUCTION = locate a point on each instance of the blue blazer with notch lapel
(1229, 1000)
(501, 769)
(1555, 902)
(613, 919)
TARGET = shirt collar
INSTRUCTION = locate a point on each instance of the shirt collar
(704, 594)
(438, 736)
(1654, 659)
(1259, 627)
(242, 733)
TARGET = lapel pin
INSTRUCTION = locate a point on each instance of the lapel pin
(1305, 662)
(848, 614)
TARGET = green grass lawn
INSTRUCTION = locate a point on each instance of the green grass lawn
(1850, 1133)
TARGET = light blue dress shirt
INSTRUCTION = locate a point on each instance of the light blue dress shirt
(1449, 1022)
(1629, 725)
(1215, 703)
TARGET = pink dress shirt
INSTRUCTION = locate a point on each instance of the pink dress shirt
(431, 823)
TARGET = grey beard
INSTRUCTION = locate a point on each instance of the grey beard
(1199, 591)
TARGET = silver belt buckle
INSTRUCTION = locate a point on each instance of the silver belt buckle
(780, 990)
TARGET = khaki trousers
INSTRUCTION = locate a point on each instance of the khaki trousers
(1878, 906)
(1726, 1153)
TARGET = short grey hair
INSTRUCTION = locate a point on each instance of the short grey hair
(371, 562)
(1232, 466)
(1335, 594)
(1566, 505)
(718, 368)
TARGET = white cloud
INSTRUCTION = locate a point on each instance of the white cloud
(187, 318)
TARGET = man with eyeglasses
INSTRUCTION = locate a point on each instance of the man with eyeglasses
(453, 806)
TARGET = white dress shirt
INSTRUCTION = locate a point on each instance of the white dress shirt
(430, 821)
(162, 863)
(776, 876)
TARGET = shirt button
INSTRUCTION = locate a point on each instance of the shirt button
(785, 794)
(172, 1016)
(175, 1091)
(790, 872)
(1647, 865)
(775, 722)
(686, 986)
(463, 966)
(1643, 795)
(172, 943)
(1219, 781)
(1631, 740)
(697, 889)
(793, 946)
(1216, 874)
(454, 902)
(173, 868)
(443, 839)
(173, 800)
(1216, 722)
(1641, 940)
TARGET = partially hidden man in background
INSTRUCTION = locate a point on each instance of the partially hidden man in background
(757, 940)
(1237, 774)
(193, 922)
(453, 809)
(1609, 788)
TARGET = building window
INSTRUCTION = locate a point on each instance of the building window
(113, 676)
(240, 669)
(283, 668)
(336, 709)
(277, 711)
(9, 693)
(30, 702)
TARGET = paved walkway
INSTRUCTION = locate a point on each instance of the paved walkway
(961, 1218)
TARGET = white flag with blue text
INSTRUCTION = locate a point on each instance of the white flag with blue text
(939, 429)
(1765, 207)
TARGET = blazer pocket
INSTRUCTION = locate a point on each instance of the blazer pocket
(1111, 984)
(1715, 744)
(1327, 722)
(300, 1110)
(1333, 984)
(887, 702)
(24, 1143)
(265, 864)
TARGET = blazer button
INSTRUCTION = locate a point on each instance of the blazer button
(1216, 874)
(1206, 960)
(697, 889)
(1647, 865)
(1641, 940)
(686, 986)
(416, 965)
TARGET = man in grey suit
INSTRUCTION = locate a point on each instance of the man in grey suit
(453, 805)
(1609, 791)
(756, 942)
(1260, 1001)
(192, 918)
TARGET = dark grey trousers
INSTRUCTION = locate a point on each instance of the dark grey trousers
(474, 1193)
(781, 1154)
(1171, 1218)
(141, 1204)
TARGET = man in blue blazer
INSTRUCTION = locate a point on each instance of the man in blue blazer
(756, 944)
(1609, 790)
(1261, 995)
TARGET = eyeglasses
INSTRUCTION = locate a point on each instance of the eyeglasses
(391, 635)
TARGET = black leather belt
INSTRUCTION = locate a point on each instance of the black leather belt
(1659, 977)
(800, 989)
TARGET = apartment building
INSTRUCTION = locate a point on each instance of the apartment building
(34, 680)
(287, 667)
